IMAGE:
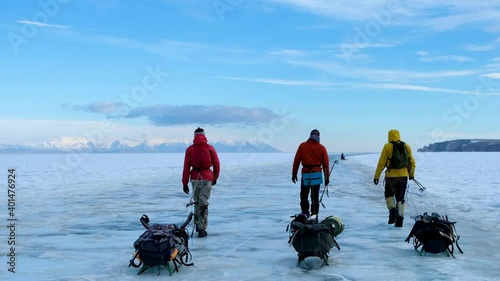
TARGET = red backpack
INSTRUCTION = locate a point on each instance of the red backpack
(201, 158)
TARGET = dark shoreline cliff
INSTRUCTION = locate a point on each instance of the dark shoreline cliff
(463, 145)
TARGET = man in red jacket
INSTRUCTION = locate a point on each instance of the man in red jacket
(199, 158)
(315, 163)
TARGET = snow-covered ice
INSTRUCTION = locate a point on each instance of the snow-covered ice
(78, 216)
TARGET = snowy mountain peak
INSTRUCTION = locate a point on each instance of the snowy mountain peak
(83, 145)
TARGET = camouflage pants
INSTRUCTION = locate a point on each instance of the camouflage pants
(201, 194)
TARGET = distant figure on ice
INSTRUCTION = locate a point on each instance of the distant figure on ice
(397, 159)
(342, 157)
(315, 163)
(199, 157)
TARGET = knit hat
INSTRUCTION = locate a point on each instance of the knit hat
(199, 131)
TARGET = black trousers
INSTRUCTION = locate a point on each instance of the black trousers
(304, 200)
(396, 187)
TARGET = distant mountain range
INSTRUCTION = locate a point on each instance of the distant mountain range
(123, 146)
(464, 145)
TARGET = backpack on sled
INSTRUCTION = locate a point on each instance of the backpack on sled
(314, 239)
(434, 234)
(162, 245)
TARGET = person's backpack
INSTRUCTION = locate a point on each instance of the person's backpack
(312, 239)
(162, 245)
(201, 158)
(399, 158)
(434, 234)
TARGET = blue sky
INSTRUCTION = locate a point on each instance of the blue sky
(268, 71)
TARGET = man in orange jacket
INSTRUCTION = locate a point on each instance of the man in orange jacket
(315, 163)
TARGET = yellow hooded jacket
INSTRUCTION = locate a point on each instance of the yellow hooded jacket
(385, 159)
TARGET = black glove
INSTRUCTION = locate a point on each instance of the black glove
(185, 188)
(327, 181)
(411, 178)
(407, 239)
(294, 179)
(375, 181)
(214, 182)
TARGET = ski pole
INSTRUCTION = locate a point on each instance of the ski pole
(326, 186)
(334, 162)
(421, 187)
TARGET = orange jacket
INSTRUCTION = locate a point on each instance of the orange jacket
(313, 156)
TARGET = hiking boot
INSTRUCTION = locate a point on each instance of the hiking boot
(399, 222)
(202, 233)
(313, 218)
(393, 213)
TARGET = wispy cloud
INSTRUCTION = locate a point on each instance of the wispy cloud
(164, 115)
(483, 48)
(492, 75)
(347, 45)
(43, 24)
(106, 107)
(283, 81)
(453, 21)
(418, 88)
(287, 53)
(452, 14)
(315, 27)
(175, 49)
(426, 57)
(382, 74)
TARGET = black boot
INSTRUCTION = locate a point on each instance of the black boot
(399, 222)
(393, 213)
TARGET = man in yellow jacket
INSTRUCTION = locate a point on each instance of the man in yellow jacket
(399, 166)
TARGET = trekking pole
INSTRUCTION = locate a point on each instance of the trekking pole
(334, 162)
(421, 187)
(325, 189)
(408, 194)
(192, 201)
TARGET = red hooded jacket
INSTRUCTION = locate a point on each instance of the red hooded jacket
(206, 174)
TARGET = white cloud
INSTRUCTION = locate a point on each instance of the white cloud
(283, 81)
(427, 57)
(435, 15)
(43, 24)
(416, 88)
(315, 27)
(492, 75)
(346, 10)
(422, 53)
(381, 74)
(381, 43)
(34, 132)
(287, 53)
(483, 48)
